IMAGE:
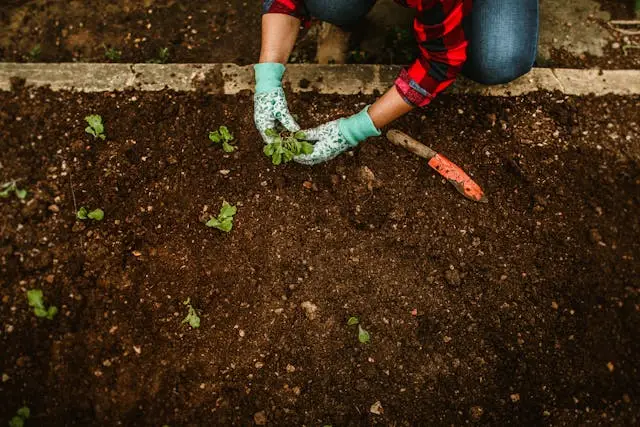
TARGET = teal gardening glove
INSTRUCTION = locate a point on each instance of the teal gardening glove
(335, 137)
(270, 104)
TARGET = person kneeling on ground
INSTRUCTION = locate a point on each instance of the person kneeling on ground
(489, 41)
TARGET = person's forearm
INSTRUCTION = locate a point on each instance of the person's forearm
(279, 34)
(388, 108)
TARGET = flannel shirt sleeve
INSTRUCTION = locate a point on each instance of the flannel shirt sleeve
(443, 49)
(287, 7)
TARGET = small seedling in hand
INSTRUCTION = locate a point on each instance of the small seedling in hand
(224, 137)
(21, 416)
(96, 214)
(35, 298)
(224, 221)
(163, 56)
(11, 187)
(95, 128)
(112, 54)
(285, 145)
(192, 317)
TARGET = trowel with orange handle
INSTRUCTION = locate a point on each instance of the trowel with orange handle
(445, 167)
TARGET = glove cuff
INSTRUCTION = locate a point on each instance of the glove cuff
(358, 127)
(268, 76)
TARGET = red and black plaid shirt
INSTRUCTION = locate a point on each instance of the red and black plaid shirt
(440, 37)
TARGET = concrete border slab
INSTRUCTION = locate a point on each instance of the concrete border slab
(326, 79)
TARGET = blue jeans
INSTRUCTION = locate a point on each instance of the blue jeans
(503, 34)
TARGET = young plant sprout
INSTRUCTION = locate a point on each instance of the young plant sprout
(224, 221)
(95, 128)
(224, 137)
(96, 214)
(363, 335)
(163, 56)
(112, 54)
(286, 145)
(192, 317)
(11, 187)
(21, 416)
(36, 300)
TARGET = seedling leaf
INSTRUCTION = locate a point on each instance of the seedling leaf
(24, 412)
(224, 220)
(21, 194)
(352, 321)
(363, 335)
(285, 145)
(192, 317)
(96, 214)
(96, 127)
(227, 148)
(224, 137)
(16, 422)
(82, 213)
(35, 299)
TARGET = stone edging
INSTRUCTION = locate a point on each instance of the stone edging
(326, 79)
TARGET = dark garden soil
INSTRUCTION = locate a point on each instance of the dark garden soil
(198, 31)
(526, 308)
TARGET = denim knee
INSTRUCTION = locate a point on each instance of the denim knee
(339, 12)
(499, 71)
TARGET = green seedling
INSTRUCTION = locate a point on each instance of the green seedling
(192, 317)
(11, 187)
(96, 127)
(112, 54)
(286, 145)
(35, 52)
(21, 416)
(35, 298)
(224, 221)
(96, 214)
(163, 56)
(363, 335)
(224, 137)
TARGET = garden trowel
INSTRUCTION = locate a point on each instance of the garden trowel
(452, 172)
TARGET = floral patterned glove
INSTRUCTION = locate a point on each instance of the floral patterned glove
(270, 104)
(335, 137)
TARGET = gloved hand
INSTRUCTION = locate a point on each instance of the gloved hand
(270, 104)
(338, 136)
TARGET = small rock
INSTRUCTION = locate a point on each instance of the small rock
(50, 278)
(476, 412)
(310, 309)
(172, 160)
(308, 185)
(260, 418)
(5, 378)
(452, 277)
(615, 45)
(291, 369)
(54, 208)
(137, 349)
(367, 177)
(611, 367)
(259, 365)
(515, 397)
(377, 408)
(224, 172)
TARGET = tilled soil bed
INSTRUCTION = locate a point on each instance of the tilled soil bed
(521, 311)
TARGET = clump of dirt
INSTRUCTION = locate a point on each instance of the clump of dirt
(522, 310)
